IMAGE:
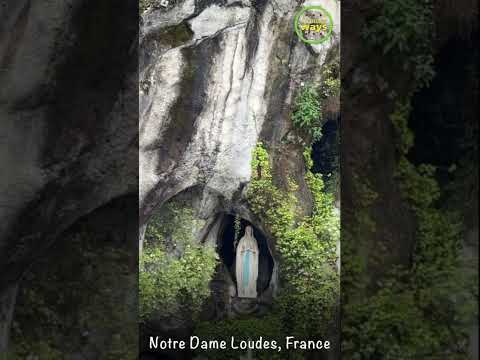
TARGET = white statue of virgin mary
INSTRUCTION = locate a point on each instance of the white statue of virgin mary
(246, 265)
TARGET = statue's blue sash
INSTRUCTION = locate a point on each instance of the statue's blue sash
(246, 268)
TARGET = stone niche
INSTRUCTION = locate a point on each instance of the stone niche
(226, 276)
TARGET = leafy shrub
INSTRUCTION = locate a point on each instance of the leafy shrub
(311, 101)
(166, 283)
(175, 271)
(307, 304)
(307, 114)
(307, 245)
(94, 277)
(405, 28)
(420, 311)
(330, 85)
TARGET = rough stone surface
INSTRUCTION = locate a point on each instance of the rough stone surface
(68, 112)
(216, 78)
(207, 100)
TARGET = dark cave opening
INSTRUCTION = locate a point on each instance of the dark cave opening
(225, 248)
(443, 114)
(325, 151)
(325, 155)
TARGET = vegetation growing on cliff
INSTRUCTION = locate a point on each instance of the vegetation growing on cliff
(307, 304)
(416, 302)
(76, 297)
(174, 271)
(310, 104)
(404, 29)
(307, 114)
(419, 308)
(307, 244)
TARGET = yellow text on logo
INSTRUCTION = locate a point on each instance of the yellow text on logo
(314, 27)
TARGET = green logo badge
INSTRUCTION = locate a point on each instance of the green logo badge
(313, 25)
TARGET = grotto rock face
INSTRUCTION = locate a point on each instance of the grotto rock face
(68, 107)
(217, 77)
(68, 112)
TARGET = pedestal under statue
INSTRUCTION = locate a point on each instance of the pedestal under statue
(246, 265)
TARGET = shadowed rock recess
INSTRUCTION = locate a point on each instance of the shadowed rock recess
(68, 147)
(217, 77)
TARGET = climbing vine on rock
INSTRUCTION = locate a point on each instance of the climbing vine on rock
(77, 297)
(418, 309)
(307, 244)
(416, 302)
(307, 303)
(438, 229)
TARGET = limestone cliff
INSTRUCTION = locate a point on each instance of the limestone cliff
(216, 78)
(68, 113)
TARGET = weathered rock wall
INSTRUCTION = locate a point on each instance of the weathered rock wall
(68, 113)
(216, 78)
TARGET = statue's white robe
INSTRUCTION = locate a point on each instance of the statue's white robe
(246, 267)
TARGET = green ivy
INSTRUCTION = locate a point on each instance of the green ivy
(91, 274)
(419, 311)
(174, 270)
(330, 85)
(403, 29)
(307, 303)
(439, 231)
(307, 244)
